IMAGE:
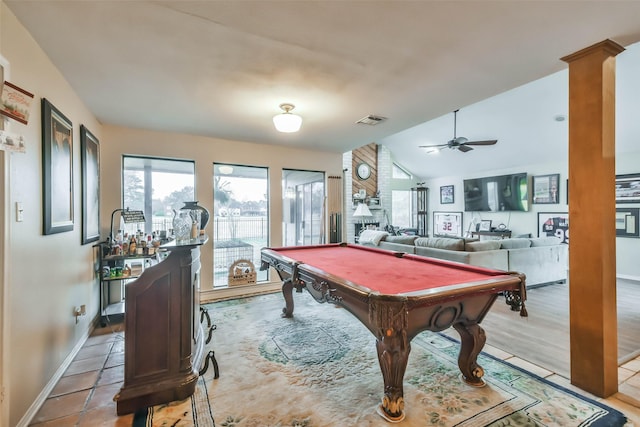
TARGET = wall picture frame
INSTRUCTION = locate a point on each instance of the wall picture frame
(90, 164)
(57, 170)
(627, 222)
(554, 224)
(628, 188)
(446, 194)
(546, 189)
(15, 102)
(447, 224)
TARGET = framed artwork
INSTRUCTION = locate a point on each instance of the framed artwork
(545, 189)
(446, 194)
(15, 102)
(57, 170)
(554, 224)
(90, 162)
(628, 188)
(447, 224)
(485, 225)
(627, 222)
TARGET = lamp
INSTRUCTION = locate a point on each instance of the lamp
(287, 122)
(362, 211)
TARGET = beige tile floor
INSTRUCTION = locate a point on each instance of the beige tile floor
(84, 395)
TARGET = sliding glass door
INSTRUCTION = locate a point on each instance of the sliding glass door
(303, 207)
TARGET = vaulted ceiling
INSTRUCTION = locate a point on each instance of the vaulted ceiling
(221, 68)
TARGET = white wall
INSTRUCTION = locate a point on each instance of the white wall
(47, 275)
(527, 222)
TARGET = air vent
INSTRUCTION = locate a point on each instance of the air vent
(371, 120)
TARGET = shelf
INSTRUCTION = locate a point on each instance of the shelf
(112, 313)
(501, 234)
(111, 279)
(121, 257)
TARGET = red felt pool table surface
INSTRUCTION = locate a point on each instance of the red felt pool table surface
(384, 272)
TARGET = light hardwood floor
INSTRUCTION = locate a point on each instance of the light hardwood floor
(543, 337)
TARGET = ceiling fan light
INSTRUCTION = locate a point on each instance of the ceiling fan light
(287, 122)
(432, 150)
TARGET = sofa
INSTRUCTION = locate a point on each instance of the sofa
(543, 260)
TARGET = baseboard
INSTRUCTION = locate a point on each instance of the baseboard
(46, 391)
(541, 285)
(239, 291)
(628, 277)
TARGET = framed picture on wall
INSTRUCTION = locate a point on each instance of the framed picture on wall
(90, 162)
(545, 189)
(57, 170)
(554, 224)
(447, 224)
(446, 194)
(628, 188)
(627, 222)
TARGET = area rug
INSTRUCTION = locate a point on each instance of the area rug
(320, 369)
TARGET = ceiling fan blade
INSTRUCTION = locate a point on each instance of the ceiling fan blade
(487, 142)
(464, 148)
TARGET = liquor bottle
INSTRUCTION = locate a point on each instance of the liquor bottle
(133, 246)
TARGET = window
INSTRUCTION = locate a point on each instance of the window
(158, 187)
(240, 220)
(399, 173)
(401, 212)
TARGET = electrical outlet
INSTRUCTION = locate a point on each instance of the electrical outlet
(79, 311)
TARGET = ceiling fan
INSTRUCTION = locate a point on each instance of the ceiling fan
(460, 143)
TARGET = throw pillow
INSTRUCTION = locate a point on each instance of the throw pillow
(403, 240)
(371, 237)
(485, 245)
(545, 241)
(515, 243)
(441, 243)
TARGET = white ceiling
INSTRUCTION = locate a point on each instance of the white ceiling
(221, 68)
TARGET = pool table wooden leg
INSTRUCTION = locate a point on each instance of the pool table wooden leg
(393, 354)
(472, 339)
(287, 292)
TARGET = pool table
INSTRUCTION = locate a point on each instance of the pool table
(396, 296)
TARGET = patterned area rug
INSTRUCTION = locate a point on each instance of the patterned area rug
(320, 369)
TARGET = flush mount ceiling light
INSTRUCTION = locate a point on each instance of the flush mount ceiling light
(287, 122)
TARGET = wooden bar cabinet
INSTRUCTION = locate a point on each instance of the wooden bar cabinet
(164, 340)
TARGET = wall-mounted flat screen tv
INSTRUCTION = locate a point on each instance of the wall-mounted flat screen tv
(497, 193)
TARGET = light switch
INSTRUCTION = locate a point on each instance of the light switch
(19, 212)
